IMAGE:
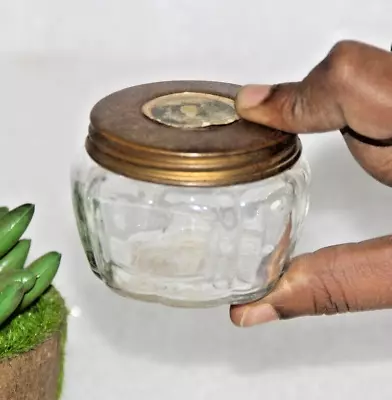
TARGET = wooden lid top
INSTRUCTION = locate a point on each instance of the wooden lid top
(185, 133)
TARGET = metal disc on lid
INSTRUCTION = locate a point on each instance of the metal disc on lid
(185, 133)
(190, 110)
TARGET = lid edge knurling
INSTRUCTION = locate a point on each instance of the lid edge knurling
(249, 169)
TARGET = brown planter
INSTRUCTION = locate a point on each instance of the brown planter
(34, 375)
(32, 350)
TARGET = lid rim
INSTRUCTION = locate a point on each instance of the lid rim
(98, 136)
(213, 177)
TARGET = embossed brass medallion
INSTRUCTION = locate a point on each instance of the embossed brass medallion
(190, 110)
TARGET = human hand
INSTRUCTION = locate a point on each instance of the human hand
(351, 87)
(19, 286)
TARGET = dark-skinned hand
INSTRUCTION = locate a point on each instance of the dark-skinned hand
(351, 87)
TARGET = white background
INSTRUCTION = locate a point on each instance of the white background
(56, 60)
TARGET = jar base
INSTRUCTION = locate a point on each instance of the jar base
(233, 299)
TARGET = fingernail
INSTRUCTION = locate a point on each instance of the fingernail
(252, 95)
(260, 314)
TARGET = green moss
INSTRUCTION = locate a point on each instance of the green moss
(35, 325)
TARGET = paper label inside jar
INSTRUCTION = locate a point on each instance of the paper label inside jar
(190, 110)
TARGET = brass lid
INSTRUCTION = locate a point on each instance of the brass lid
(185, 133)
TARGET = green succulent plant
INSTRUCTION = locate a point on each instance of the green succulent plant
(19, 286)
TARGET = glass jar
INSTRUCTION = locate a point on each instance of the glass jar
(197, 222)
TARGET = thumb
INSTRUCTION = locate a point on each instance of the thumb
(287, 107)
(337, 279)
(351, 86)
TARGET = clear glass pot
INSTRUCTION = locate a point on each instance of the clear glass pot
(178, 201)
(188, 246)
